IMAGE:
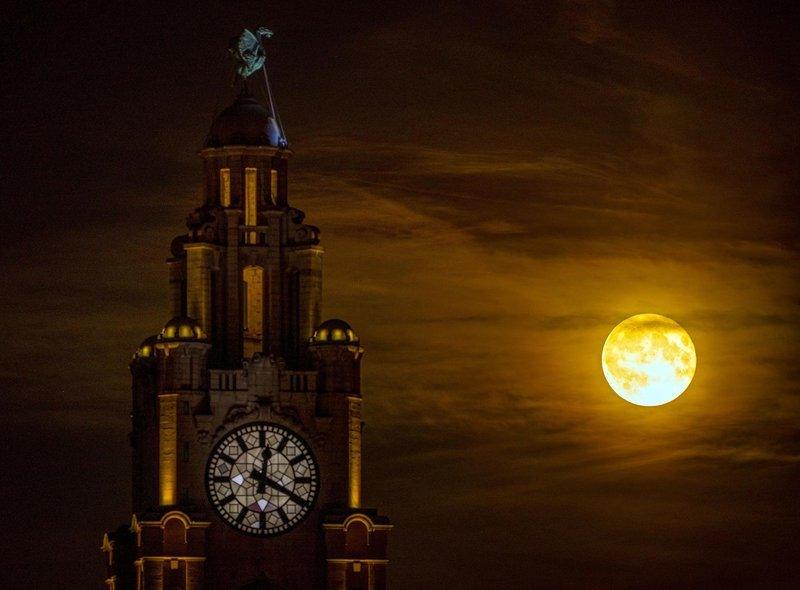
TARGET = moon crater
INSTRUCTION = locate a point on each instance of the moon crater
(649, 359)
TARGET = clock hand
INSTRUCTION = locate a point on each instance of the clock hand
(264, 480)
(266, 455)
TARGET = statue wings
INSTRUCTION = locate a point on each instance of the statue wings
(248, 51)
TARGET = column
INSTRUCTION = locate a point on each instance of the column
(354, 452)
(167, 448)
(199, 256)
(233, 328)
(175, 288)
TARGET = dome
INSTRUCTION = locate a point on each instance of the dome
(147, 348)
(245, 122)
(334, 332)
(182, 328)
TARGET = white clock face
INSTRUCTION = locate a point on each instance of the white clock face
(262, 479)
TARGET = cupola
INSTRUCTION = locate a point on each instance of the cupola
(245, 122)
(182, 328)
(146, 349)
(334, 331)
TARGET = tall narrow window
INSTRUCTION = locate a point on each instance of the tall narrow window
(251, 202)
(273, 186)
(253, 310)
(225, 187)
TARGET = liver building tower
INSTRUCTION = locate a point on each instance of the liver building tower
(246, 408)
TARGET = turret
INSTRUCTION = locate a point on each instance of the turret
(337, 356)
(143, 435)
(182, 349)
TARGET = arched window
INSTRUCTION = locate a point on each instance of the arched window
(253, 310)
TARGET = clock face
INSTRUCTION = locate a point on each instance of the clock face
(262, 479)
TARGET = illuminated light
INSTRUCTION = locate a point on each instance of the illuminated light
(351, 335)
(354, 454)
(649, 360)
(337, 335)
(199, 332)
(185, 331)
(225, 187)
(273, 186)
(321, 335)
(145, 351)
(251, 202)
(169, 332)
(167, 448)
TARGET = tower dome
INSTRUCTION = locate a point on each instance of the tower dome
(181, 328)
(147, 348)
(245, 122)
(334, 331)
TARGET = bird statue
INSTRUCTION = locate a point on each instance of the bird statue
(248, 51)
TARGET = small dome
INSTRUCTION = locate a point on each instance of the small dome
(245, 122)
(334, 332)
(182, 328)
(147, 348)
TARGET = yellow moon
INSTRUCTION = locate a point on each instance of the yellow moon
(649, 360)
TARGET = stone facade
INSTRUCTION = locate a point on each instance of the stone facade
(245, 345)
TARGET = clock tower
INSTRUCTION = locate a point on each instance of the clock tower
(246, 407)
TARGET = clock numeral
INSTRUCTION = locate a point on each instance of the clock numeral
(282, 444)
(227, 500)
(242, 515)
(221, 479)
(299, 500)
(242, 444)
(297, 459)
(282, 514)
(227, 458)
(262, 439)
(303, 480)
(262, 520)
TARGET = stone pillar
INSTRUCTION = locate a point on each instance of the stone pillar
(199, 259)
(233, 316)
(167, 448)
(195, 574)
(310, 296)
(354, 455)
(337, 575)
(175, 287)
(274, 292)
(307, 262)
(153, 574)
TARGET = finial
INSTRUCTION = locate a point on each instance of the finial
(248, 51)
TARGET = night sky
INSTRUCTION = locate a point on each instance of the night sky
(498, 185)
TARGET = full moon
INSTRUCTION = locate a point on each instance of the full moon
(649, 360)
